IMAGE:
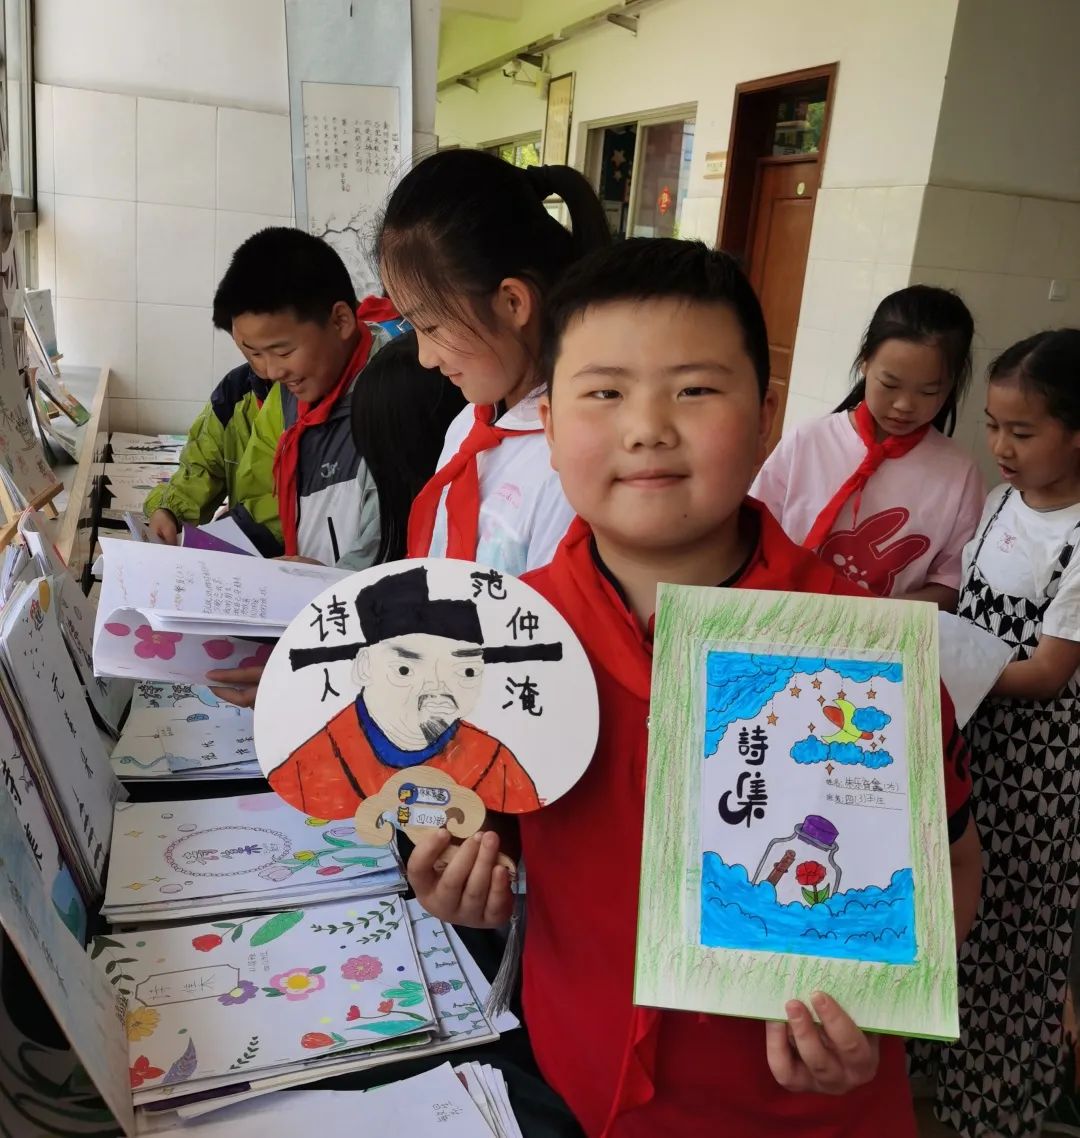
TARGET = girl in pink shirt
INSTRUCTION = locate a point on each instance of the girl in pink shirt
(878, 488)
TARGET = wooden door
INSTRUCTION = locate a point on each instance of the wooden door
(779, 243)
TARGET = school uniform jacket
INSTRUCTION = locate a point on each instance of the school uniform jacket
(210, 460)
(338, 503)
(635, 1072)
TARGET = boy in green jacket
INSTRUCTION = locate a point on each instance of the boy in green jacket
(209, 462)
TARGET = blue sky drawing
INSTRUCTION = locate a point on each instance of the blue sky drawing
(740, 684)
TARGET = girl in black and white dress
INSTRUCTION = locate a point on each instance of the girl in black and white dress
(1021, 581)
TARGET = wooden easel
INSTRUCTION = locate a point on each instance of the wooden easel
(43, 501)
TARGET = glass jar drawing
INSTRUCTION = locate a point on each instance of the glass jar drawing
(802, 866)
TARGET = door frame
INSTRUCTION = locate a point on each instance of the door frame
(750, 138)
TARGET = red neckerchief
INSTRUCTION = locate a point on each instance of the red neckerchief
(287, 456)
(891, 446)
(463, 497)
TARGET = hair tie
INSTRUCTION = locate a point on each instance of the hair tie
(539, 179)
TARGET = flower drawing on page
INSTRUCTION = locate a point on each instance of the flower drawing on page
(206, 942)
(161, 645)
(243, 992)
(297, 983)
(115, 628)
(316, 1039)
(258, 657)
(218, 649)
(140, 1023)
(361, 968)
(141, 1071)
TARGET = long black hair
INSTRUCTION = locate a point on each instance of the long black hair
(400, 413)
(921, 314)
(462, 221)
(1047, 363)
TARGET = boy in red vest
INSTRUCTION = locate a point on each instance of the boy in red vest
(658, 414)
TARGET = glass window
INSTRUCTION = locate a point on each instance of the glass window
(16, 114)
(520, 152)
(798, 122)
(662, 177)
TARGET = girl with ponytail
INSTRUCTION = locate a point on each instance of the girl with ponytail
(468, 250)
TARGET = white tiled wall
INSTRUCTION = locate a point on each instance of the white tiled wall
(1000, 252)
(141, 204)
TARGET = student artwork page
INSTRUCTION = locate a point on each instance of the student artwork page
(805, 826)
(169, 613)
(31, 812)
(184, 742)
(68, 749)
(423, 693)
(210, 1004)
(801, 806)
(86, 1007)
(174, 853)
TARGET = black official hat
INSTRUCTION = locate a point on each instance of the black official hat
(399, 605)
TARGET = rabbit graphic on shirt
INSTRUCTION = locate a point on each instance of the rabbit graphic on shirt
(864, 556)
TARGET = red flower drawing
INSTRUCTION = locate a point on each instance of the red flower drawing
(315, 1039)
(260, 656)
(810, 873)
(141, 1071)
(206, 942)
(352, 1013)
(160, 644)
(386, 1006)
(328, 870)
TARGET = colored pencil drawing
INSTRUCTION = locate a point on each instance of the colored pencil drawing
(200, 998)
(804, 823)
(437, 664)
(795, 833)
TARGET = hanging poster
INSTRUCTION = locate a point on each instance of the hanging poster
(795, 831)
(560, 106)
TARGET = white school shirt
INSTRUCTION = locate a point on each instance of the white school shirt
(1020, 553)
(523, 511)
(916, 512)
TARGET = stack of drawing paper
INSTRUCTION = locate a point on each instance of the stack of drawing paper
(49, 711)
(108, 697)
(170, 613)
(182, 732)
(213, 1005)
(18, 782)
(21, 455)
(142, 474)
(458, 991)
(487, 1089)
(88, 1009)
(469, 1101)
(189, 860)
(128, 448)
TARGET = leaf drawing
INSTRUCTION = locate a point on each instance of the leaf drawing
(183, 1068)
(278, 925)
(249, 1053)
